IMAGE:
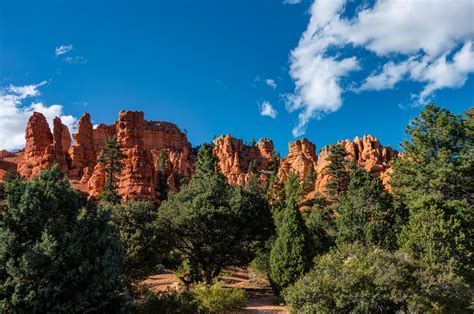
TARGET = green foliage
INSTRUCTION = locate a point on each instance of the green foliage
(290, 253)
(168, 302)
(142, 240)
(162, 172)
(435, 179)
(217, 299)
(366, 213)
(321, 226)
(356, 279)
(336, 170)
(110, 157)
(55, 256)
(309, 180)
(212, 224)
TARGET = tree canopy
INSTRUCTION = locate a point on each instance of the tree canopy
(56, 255)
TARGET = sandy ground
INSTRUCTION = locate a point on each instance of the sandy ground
(259, 294)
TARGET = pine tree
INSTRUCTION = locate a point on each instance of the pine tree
(309, 180)
(289, 255)
(434, 179)
(212, 224)
(366, 213)
(55, 255)
(142, 240)
(336, 170)
(162, 172)
(110, 158)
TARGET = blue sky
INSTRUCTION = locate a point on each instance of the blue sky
(326, 70)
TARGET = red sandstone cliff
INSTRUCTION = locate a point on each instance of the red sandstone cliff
(141, 141)
(235, 158)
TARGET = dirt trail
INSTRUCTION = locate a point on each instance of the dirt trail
(260, 296)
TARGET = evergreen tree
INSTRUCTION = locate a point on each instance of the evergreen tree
(142, 240)
(366, 213)
(435, 180)
(336, 170)
(309, 180)
(321, 226)
(290, 253)
(212, 224)
(55, 256)
(162, 172)
(110, 157)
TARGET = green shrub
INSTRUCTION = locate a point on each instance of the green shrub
(165, 302)
(216, 298)
(356, 279)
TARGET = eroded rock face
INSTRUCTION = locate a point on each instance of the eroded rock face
(38, 149)
(366, 152)
(61, 144)
(82, 152)
(301, 157)
(141, 141)
(236, 159)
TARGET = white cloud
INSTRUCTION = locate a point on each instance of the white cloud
(415, 39)
(291, 1)
(271, 83)
(14, 114)
(63, 49)
(266, 109)
(75, 60)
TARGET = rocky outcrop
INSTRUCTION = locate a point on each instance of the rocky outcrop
(61, 144)
(82, 152)
(370, 154)
(101, 134)
(137, 180)
(237, 161)
(367, 153)
(43, 148)
(301, 157)
(38, 149)
(142, 142)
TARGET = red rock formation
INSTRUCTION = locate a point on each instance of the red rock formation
(61, 143)
(101, 134)
(82, 152)
(38, 149)
(301, 157)
(366, 152)
(137, 180)
(234, 158)
(141, 141)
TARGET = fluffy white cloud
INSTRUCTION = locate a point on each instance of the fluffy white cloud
(415, 39)
(14, 114)
(266, 109)
(271, 83)
(63, 49)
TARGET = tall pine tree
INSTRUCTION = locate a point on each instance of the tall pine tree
(435, 180)
(111, 158)
(336, 170)
(290, 253)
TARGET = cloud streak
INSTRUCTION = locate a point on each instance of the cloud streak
(63, 49)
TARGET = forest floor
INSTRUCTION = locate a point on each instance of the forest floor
(260, 297)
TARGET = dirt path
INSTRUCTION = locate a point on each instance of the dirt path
(260, 297)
